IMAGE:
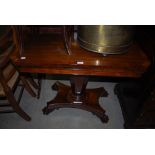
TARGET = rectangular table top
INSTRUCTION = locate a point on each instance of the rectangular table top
(46, 54)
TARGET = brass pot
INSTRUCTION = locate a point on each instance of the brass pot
(106, 39)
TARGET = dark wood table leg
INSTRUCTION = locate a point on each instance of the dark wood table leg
(77, 96)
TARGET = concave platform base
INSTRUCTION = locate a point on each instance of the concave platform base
(77, 96)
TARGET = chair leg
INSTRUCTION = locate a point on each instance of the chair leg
(39, 84)
(27, 86)
(17, 108)
(15, 105)
(33, 83)
(11, 99)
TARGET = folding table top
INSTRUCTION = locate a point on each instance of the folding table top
(46, 54)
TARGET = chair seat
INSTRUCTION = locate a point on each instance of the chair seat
(11, 82)
(9, 71)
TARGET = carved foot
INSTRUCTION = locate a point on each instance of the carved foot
(104, 118)
(46, 110)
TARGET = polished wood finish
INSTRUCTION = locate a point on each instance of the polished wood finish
(46, 54)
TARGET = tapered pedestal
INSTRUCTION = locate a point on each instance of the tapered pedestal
(77, 96)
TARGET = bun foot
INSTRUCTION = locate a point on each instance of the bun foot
(104, 119)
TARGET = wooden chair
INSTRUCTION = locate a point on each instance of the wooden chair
(67, 32)
(10, 77)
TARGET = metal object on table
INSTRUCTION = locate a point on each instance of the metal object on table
(106, 39)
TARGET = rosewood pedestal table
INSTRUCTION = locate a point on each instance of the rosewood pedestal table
(46, 54)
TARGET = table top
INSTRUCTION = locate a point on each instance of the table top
(46, 54)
